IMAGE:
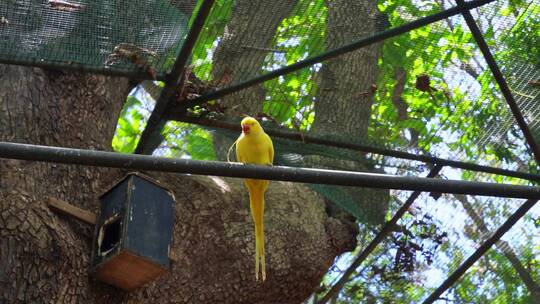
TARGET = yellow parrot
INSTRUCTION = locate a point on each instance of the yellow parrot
(255, 147)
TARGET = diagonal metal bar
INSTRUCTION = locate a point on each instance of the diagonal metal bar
(501, 81)
(362, 148)
(155, 122)
(520, 212)
(378, 37)
(238, 170)
(385, 231)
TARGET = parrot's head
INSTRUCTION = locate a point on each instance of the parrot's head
(250, 126)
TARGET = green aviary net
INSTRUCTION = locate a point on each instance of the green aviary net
(137, 38)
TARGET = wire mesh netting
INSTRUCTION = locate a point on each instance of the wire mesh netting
(431, 241)
(515, 42)
(127, 37)
(433, 120)
(431, 92)
(288, 31)
(458, 103)
(461, 116)
(506, 272)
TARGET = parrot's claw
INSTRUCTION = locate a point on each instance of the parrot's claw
(263, 276)
(257, 267)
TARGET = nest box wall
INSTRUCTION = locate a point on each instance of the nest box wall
(133, 232)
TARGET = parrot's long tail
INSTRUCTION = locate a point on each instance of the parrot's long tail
(256, 202)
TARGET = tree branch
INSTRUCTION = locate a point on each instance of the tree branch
(151, 88)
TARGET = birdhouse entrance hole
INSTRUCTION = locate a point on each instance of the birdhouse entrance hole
(133, 234)
(111, 235)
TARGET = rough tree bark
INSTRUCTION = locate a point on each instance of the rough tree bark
(342, 104)
(44, 257)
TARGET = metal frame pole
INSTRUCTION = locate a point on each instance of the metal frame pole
(499, 78)
(386, 230)
(363, 148)
(481, 251)
(302, 175)
(155, 122)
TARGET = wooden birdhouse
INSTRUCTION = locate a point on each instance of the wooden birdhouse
(133, 232)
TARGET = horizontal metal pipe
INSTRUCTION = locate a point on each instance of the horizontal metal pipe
(510, 222)
(378, 37)
(363, 148)
(82, 68)
(303, 175)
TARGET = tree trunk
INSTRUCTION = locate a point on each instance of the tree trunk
(343, 104)
(240, 54)
(44, 257)
(215, 250)
(185, 6)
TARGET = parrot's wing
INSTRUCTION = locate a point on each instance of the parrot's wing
(240, 157)
(270, 150)
(240, 153)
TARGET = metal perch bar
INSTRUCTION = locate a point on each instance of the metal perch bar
(376, 241)
(302, 175)
(362, 148)
(481, 250)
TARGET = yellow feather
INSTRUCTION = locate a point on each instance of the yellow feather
(255, 147)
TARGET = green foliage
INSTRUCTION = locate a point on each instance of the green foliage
(522, 40)
(198, 144)
(492, 280)
(207, 42)
(301, 35)
(185, 140)
(129, 127)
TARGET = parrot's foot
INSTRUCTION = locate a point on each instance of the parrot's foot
(263, 265)
(263, 276)
(263, 272)
(256, 265)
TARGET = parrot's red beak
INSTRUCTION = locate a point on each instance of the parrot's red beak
(245, 129)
